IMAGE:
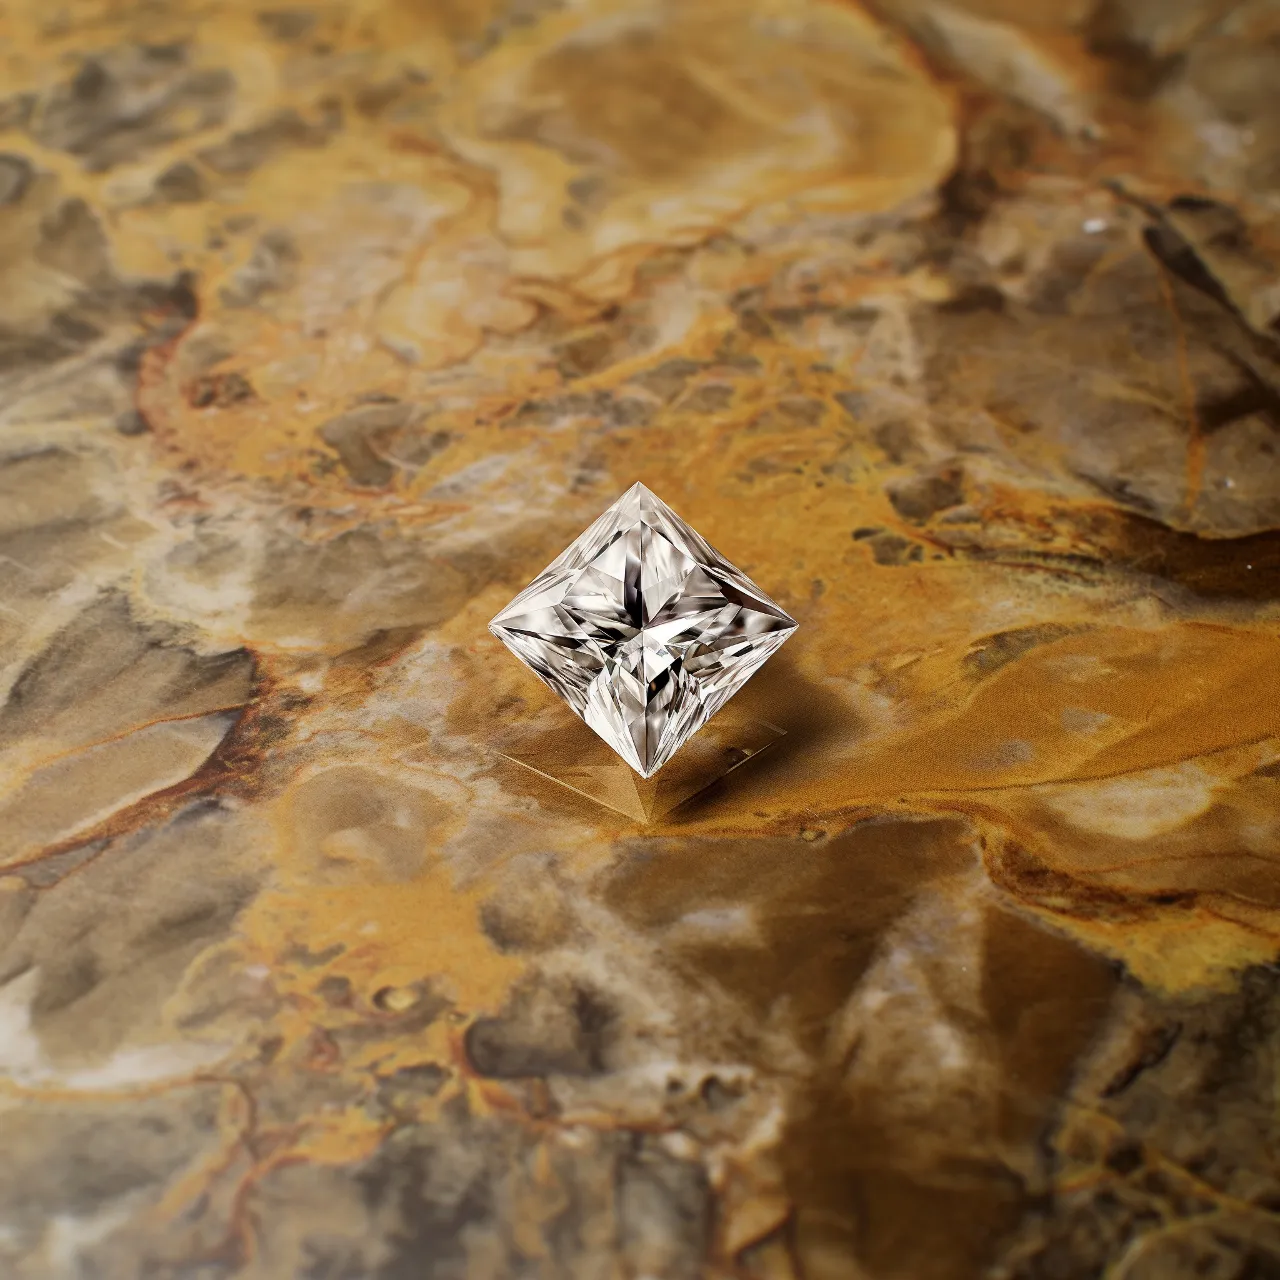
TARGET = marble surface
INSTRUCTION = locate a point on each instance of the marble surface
(955, 323)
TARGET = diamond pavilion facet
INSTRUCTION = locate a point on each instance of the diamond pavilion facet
(643, 629)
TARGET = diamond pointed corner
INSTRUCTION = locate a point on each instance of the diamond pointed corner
(643, 628)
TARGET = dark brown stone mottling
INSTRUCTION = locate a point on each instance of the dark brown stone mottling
(549, 1029)
(126, 100)
(287, 24)
(181, 183)
(362, 437)
(92, 1153)
(105, 659)
(15, 177)
(1167, 1124)
(112, 943)
(270, 267)
(249, 149)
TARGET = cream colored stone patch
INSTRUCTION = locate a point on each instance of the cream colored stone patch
(1013, 61)
(1139, 806)
(23, 1060)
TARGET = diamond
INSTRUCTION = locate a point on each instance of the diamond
(643, 629)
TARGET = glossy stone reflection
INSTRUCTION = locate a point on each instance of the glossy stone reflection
(643, 629)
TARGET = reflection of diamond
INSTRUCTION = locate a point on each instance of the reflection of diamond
(643, 629)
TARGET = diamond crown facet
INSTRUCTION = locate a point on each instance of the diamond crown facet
(643, 628)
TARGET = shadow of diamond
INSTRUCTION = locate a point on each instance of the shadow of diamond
(571, 756)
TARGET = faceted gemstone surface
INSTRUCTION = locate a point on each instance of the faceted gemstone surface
(643, 628)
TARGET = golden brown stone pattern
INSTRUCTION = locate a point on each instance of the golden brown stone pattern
(323, 327)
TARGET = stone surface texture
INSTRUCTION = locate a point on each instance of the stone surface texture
(323, 327)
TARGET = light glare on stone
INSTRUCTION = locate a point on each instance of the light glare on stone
(643, 629)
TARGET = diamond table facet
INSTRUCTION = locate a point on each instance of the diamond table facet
(643, 629)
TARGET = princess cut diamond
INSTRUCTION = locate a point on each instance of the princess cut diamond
(643, 629)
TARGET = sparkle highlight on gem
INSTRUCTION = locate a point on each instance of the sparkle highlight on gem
(643, 628)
